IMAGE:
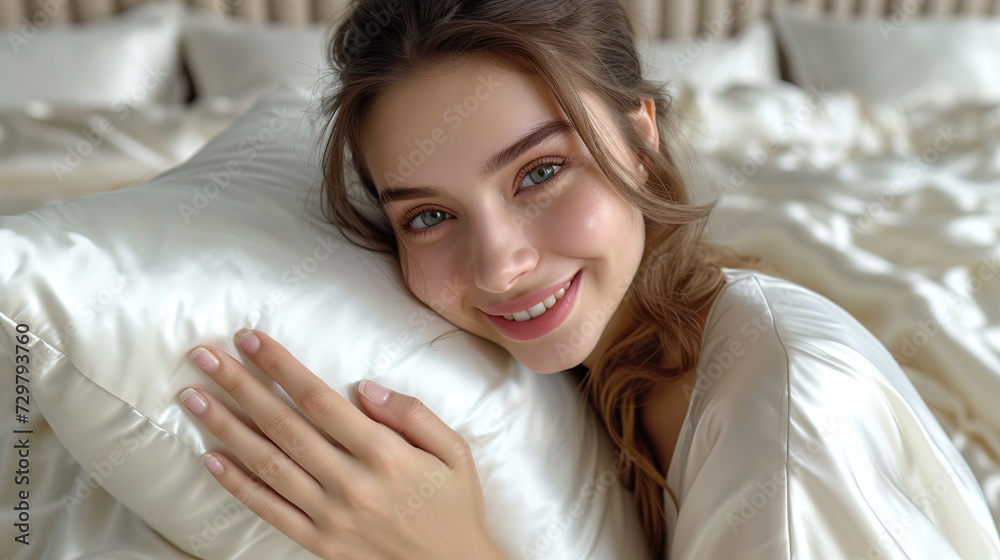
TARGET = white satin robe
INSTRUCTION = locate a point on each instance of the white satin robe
(805, 440)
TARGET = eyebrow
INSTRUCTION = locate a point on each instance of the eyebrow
(540, 133)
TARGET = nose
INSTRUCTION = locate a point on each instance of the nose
(503, 252)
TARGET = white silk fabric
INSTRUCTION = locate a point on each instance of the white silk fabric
(804, 439)
(116, 288)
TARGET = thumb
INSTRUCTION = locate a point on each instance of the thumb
(411, 418)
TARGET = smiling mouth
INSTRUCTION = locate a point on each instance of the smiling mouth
(516, 327)
(539, 308)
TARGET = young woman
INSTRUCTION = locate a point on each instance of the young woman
(513, 149)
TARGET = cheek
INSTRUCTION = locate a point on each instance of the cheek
(589, 215)
(434, 279)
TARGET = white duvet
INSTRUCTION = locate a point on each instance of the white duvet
(892, 215)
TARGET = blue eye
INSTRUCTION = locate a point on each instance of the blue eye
(435, 217)
(540, 174)
(422, 220)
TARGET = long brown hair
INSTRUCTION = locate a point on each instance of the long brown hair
(571, 45)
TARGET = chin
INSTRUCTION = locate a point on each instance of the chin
(545, 358)
(551, 360)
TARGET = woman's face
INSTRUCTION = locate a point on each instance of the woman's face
(500, 205)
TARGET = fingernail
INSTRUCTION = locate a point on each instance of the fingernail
(204, 359)
(213, 464)
(247, 341)
(374, 392)
(194, 401)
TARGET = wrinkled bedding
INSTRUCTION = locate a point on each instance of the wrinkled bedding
(893, 215)
(50, 152)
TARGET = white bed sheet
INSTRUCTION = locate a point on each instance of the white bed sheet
(51, 152)
(68, 512)
(892, 214)
(851, 200)
(131, 148)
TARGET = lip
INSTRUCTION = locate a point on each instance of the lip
(527, 300)
(544, 323)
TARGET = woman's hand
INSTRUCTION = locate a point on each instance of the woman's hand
(362, 492)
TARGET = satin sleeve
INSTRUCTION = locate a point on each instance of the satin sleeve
(804, 439)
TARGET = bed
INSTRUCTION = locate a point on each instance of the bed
(856, 160)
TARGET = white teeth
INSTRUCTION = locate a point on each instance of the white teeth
(536, 310)
(541, 307)
(521, 316)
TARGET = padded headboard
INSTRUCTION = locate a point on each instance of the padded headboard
(653, 18)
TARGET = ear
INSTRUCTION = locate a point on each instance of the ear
(645, 122)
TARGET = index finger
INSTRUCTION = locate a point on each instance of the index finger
(333, 413)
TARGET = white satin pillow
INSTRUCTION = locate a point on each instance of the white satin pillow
(115, 288)
(906, 59)
(125, 60)
(711, 62)
(231, 58)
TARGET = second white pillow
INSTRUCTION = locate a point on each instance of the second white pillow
(234, 59)
(125, 60)
(903, 59)
(709, 62)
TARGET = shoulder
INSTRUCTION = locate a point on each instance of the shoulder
(782, 369)
(769, 302)
(829, 439)
(759, 325)
(760, 320)
(771, 346)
